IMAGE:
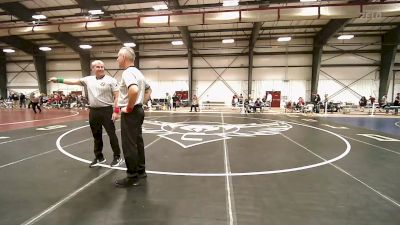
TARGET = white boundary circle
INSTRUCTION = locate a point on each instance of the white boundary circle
(75, 113)
(347, 151)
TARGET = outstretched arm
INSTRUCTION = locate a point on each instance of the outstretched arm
(65, 81)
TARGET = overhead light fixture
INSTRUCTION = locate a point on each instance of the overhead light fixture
(96, 12)
(129, 44)
(45, 49)
(308, 0)
(177, 42)
(282, 39)
(85, 46)
(8, 50)
(345, 36)
(228, 3)
(228, 41)
(160, 7)
(39, 17)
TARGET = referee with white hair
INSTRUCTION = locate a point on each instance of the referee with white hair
(133, 93)
(103, 96)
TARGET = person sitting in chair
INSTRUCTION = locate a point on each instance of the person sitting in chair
(257, 104)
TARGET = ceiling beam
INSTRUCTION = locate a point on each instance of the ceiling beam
(174, 5)
(320, 39)
(25, 14)
(119, 33)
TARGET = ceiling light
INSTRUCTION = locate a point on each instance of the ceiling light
(345, 36)
(177, 42)
(129, 44)
(160, 7)
(39, 17)
(96, 12)
(85, 46)
(8, 50)
(230, 3)
(228, 41)
(281, 39)
(45, 49)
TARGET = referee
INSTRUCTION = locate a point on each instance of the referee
(103, 95)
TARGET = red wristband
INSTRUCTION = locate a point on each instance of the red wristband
(116, 109)
(128, 110)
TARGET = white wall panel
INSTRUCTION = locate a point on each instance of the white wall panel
(22, 79)
(282, 60)
(363, 87)
(217, 91)
(220, 61)
(229, 74)
(345, 73)
(179, 62)
(20, 66)
(290, 90)
(348, 58)
(64, 65)
(283, 73)
(160, 88)
(166, 75)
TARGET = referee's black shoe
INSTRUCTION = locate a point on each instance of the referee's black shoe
(127, 182)
(96, 162)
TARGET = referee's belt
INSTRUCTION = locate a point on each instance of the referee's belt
(100, 108)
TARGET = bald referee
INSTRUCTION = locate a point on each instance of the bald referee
(103, 96)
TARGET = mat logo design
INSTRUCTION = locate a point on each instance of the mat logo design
(189, 134)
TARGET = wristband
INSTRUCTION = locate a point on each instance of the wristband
(128, 110)
(60, 80)
(116, 110)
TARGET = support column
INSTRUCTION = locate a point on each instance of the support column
(190, 74)
(137, 57)
(85, 64)
(388, 54)
(3, 75)
(250, 75)
(316, 66)
(85, 67)
(40, 67)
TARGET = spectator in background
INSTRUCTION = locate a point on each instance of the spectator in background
(383, 103)
(22, 100)
(175, 101)
(316, 99)
(195, 103)
(362, 103)
(15, 99)
(371, 99)
(35, 102)
(397, 100)
(241, 99)
(168, 100)
(269, 99)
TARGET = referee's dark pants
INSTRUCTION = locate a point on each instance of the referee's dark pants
(132, 141)
(98, 118)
